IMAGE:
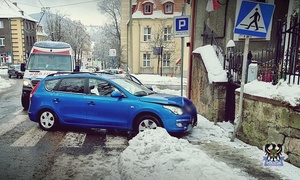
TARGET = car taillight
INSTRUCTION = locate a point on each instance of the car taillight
(33, 90)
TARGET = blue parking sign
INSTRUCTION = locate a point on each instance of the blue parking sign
(181, 26)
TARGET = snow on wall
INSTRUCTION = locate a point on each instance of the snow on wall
(213, 66)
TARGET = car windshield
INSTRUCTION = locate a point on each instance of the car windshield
(132, 87)
(50, 62)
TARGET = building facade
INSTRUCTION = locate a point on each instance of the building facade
(147, 39)
(17, 33)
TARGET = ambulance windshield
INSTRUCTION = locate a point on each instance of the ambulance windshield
(50, 62)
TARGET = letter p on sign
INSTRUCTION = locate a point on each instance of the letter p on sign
(182, 24)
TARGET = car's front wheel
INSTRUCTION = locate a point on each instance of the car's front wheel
(48, 120)
(146, 122)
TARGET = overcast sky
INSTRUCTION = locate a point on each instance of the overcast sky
(83, 10)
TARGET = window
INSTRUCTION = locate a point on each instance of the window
(50, 85)
(166, 59)
(168, 8)
(167, 34)
(1, 24)
(2, 42)
(148, 8)
(100, 87)
(27, 40)
(147, 34)
(146, 60)
(72, 85)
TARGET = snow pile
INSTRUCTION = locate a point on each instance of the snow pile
(150, 79)
(154, 154)
(4, 83)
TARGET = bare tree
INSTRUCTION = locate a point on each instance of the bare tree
(64, 29)
(77, 37)
(112, 31)
(54, 26)
(163, 40)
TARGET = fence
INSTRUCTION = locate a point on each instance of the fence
(279, 62)
(287, 58)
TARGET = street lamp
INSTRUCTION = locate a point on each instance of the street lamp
(230, 45)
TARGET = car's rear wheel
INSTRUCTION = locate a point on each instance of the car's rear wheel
(9, 76)
(146, 122)
(48, 120)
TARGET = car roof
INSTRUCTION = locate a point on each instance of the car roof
(82, 75)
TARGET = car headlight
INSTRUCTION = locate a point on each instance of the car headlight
(26, 83)
(174, 109)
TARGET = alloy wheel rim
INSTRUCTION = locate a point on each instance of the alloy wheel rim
(147, 124)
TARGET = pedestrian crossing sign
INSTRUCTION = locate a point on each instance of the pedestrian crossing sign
(254, 19)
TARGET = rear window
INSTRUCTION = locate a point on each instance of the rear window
(49, 85)
(71, 85)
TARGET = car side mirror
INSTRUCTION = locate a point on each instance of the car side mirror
(23, 66)
(116, 94)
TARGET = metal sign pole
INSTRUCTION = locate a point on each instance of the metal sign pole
(182, 51)
(239, 116)
(181, 66)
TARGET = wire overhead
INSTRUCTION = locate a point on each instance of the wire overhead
(71, 4)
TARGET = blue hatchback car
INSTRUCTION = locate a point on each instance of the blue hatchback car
(107, 101)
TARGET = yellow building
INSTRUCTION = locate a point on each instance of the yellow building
(17, 33)
(152, 30)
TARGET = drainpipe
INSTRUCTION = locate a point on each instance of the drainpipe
(139, 44)
(131, 38)
(127, 42)
(11, 43)
(191, 48)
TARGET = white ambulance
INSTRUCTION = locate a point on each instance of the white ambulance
(46, 57)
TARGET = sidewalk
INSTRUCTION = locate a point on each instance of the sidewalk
(215, 141)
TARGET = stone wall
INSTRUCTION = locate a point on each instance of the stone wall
(267, 120)
(208, 98)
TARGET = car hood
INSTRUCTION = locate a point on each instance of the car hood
(166, 99)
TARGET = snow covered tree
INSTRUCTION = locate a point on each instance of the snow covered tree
(112, 31)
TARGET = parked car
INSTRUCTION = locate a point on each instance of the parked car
(91, 68)
(134, 79)
(116, 71)
(107, 101)
(15, 70)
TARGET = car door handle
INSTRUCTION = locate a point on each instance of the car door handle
(91, 103)
(56, 100)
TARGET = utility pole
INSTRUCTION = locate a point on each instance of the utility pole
(131, 38)
(239, 117)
